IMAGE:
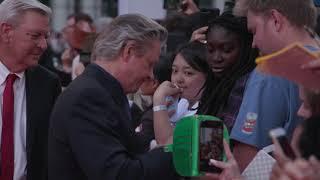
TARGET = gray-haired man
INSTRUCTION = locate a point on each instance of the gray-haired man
(92, 136)
(27, 91)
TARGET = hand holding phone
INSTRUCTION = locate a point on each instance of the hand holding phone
(211, 145)
(281, 143)
(230, 169)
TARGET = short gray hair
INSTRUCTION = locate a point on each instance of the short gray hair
(11, 10)
(124, 28)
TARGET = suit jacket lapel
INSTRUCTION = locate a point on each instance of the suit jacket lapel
(31, 93)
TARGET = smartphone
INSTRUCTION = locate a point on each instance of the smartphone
(210, 145)
(171, 4)
(280, 135)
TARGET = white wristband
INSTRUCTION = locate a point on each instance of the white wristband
(159, 108)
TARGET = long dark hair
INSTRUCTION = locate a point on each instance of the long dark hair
(194, 54)
(216, 95)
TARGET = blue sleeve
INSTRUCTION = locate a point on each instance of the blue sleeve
(265, 106)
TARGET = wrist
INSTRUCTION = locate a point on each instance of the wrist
(159, 100)
(159, 108)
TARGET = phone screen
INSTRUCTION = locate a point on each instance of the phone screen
(280, 135)
(211, 145)
(286, 147)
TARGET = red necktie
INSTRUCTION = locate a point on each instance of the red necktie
(7, 141)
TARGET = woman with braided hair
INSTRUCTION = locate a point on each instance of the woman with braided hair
(231, 59)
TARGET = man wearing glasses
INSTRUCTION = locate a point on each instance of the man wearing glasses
(27, 91)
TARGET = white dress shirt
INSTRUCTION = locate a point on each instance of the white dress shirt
(75, 63)
(20, 123)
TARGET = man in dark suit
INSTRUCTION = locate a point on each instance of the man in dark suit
(91, 133)
(27, 91)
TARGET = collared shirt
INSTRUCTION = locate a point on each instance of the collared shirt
(75, 63)
(20, 123)
(230, 112)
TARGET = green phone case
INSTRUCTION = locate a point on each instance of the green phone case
(185, 147)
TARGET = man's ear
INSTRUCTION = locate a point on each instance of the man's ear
(128, 51)
(155, 85)
(5, 32)
(278, 20)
